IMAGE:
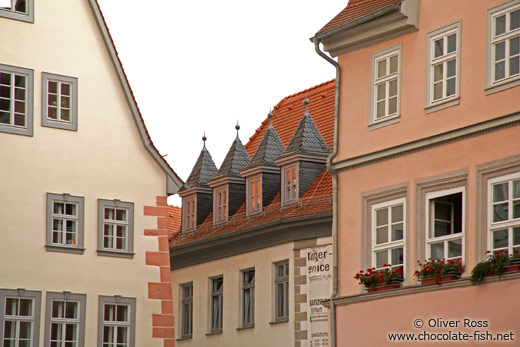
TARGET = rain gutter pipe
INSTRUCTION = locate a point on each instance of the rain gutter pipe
(334, 195)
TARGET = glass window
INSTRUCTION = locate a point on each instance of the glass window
(115, 228)
(248, 298)
(60, 101)
(16, 98)
(220, 211)
(187, 310)
(281, 283)
(217, 302)
(290, 185)
(189, 212)
(19, 317)
(65, 319)
(116, 321)
(254, 191)
(388, 223)
(386, 67)
(65, 223)
(17, 9)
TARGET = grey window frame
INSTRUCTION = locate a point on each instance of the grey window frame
(25, 17)
(218, 204)
(81, 299)
(189, 214)
(286, 200)
(36, 296)
(73, 81)
(249, 194)
(508, 82)
(116, 300)
(435, 105)
(67, 198)
(373, 123)
(247, 287)
(283, 281)
(216, 299)
(29, 100)
(186, 316)
(128, 252)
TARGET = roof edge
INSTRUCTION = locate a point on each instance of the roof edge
(173, 181)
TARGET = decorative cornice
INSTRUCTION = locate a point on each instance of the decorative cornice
(470, 131)
(295, 157)
(194, 190)
(218, 181)
(259, 169)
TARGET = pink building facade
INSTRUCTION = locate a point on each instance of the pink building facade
(426, 165)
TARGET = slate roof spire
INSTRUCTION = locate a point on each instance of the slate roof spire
(307, 138)
(203, 170)
(236, 159)
(269, 148)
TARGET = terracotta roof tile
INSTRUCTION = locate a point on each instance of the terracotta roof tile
(356, 9)
(173, 221)
(317, 200)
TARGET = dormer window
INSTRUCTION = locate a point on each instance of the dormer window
(189, 213)
(254, 194)
(290, 184)
(220, 210)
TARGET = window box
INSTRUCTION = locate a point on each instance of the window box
(383, 279)
(439, 270)
(497, 263)
(439, 279)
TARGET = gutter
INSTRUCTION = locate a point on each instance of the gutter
(334, 174)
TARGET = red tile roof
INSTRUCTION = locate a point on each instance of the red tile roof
(356, 9)
(174, 220)
(317, 200)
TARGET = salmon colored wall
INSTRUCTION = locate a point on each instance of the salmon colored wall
(475, 106)
(397, 315)
(462, 155)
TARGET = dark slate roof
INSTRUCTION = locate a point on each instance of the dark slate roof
(307, 138)
(268, 150)
(203, 170)
(235, 160)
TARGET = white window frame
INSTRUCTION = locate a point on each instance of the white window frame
(216, 312)
(220, 205)
(115, 324)
(511, 223)
(390, 245)
(493, 85)
(290, 188)
(128, 224)
(12, 13)
(79, 321)
(256, 206)
(431, 61)
(247, 309)
(72, 82)
(189, 213)
(186, 314)
(445, 239)
(79, 219)
(388, 118)
(281, 289)
(26, 102)
(33, 319)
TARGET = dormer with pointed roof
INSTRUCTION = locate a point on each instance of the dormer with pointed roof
(303, 159)
(262, 174)
(228, 185)
(197, 196)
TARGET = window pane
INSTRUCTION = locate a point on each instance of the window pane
(109, 313)
(19, 81)
(397, 232)
(25, 307)
(381, 68)
(393, 64)
(514, 66)
(52, 100)
(500, 192)
(437, 250)
(392, 88)
(70, 209)
(71, 310)
(397, 256)
(381, 258)
(451, 68)
(500, 212)
(19, 120)
(516, 189)
(442, 211)
(392, 105)
(53, 87)
(382, 217)
(500, 25)
(516, 236)
(500, 70)
(5, 78)
(450, 87)
(57, 309)
(455, 248)
(500, 51)
(9, 332)
(122, 333)
(381, 91)
(70, 332)
(380, 109)
(65, 89)
(437, 91)
(437, 72)
(25, 330)
(516, 209)
(442, 228)
(514, 20)
(439, 47)
(452, 43)
(5, 91)
(381, 235)
(122, 313)
(500, 238)
(11, 307)
(121, 215)
(19, 94)
(397, 213)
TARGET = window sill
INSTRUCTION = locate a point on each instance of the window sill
(187, 337)
(64, 249)
(498, 87)
(384, 123)
(17, 16)
(106, 253)
(281, 320)
(246, 327)
(216, 332)
(442, 105)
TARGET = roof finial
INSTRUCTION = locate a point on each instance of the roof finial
(204, 138)
(270, 115)
(306, 102)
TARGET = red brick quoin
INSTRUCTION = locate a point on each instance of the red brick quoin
(163, 323)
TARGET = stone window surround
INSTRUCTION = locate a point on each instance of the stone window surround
(128, 251)
(25, 17)
(81, 299)
(73, 82)
(117, 300)
(22, 294)
(67, 198)
(29, 99)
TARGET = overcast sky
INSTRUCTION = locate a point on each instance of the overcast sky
(201, 66)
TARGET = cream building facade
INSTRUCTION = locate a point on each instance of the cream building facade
(80, 229)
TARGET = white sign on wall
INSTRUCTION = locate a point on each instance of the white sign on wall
(319, 288)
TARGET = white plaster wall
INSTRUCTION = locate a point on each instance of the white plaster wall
(263, 334)
(105, 159)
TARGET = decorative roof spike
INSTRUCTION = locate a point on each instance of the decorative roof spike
(270, 115)
(306, 102)
(204, 138)
(237, 127)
